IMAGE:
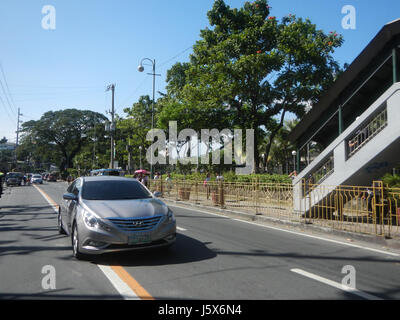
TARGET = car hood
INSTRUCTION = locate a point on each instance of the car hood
(126, 208)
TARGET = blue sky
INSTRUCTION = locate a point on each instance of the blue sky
(99, 42)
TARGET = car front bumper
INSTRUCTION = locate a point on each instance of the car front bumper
(99, 241)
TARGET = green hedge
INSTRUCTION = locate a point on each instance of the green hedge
(232, 177)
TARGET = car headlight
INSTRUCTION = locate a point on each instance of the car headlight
(170, 216)
(90, 220)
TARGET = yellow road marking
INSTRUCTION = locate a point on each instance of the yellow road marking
(132, 283)
(48, 198)
(120, 271)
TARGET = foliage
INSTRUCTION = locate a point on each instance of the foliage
(232, 177)
(249, 70)
(391, 181)
(59, 135)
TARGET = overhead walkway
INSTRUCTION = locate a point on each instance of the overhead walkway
(365, 151)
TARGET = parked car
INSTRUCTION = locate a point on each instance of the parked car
(106, 214)
(14, 178)
(37, 178)
(52, 177)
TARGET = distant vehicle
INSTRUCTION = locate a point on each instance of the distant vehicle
(14, 178)
(37, 178)
(107, 172)
(52, 177)
(107, 214)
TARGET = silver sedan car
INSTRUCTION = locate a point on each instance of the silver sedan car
(106, 214)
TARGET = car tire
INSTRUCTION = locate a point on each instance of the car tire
(59, 223)
(75, 244)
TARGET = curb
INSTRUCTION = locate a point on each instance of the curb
(390, 243)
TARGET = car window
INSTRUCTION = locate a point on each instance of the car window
(77, 187)
(71, 187)
(114, 190)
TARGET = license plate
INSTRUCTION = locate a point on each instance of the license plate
(139, 239)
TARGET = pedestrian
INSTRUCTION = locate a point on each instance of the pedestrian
(145, 180)
(293, 174)
(168, 181)
(207, 185)
(1, 183)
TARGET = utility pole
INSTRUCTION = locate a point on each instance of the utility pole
(112, 127)
(17, 140)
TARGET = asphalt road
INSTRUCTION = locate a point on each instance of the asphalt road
(215, 257)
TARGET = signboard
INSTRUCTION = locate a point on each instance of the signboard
(7, 146)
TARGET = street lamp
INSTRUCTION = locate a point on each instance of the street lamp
(294, 153)
(141, 69)
(140, 151)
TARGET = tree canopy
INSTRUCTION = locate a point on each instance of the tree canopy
(62, 132)
(250, 69)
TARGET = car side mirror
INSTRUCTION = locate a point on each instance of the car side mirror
(70, 197)
(157, 194)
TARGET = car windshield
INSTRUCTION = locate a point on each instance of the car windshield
(114, 190)
(37, 176)
(12, 175)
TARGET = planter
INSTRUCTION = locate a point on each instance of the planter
(184, 193)
(215, 198)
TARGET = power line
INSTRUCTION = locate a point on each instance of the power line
(8, 89)
(174, 57)
(7, 112)
(8, 101)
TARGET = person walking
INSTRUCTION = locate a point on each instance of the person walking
(207, 185)
(168, 181)
(1, 183)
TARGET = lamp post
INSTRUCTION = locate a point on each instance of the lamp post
(294, 153)
(140, 151)
(263, 161)
(141, 69)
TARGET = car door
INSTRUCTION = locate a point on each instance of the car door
(72, 204)
(64, 206)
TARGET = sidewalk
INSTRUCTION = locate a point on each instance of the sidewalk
(299, 225)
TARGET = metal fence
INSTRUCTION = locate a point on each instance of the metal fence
(369, 210)
(366, 133)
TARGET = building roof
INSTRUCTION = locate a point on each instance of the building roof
(376, 45)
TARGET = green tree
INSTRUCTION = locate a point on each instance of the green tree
(65, 132)
(250, 69)
(133, 129)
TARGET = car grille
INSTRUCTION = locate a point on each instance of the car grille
(136, 224)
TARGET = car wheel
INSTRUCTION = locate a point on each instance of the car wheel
(75, 244)
(60, 227)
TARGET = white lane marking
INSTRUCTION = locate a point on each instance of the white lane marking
(181, 229)
(298, 233)
(336, 285)
(123, 289)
